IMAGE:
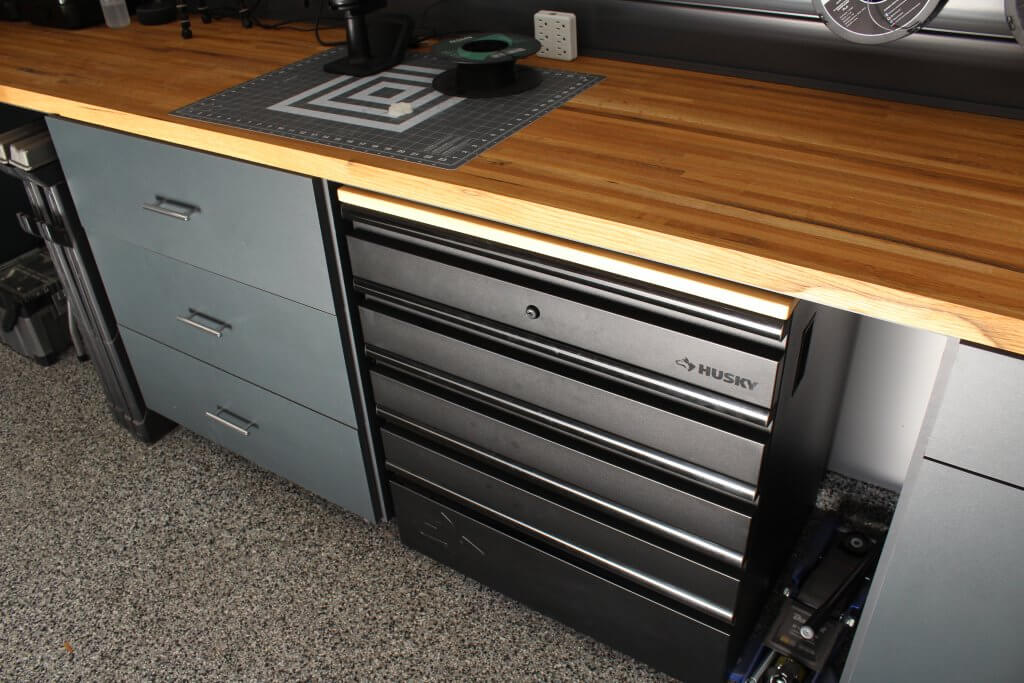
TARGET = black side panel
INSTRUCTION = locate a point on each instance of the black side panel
(812, 388)
(626, 620)
(339, 271)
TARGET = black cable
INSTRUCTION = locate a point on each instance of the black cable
(435, 31)
(302, 25)
(420, 21)
(286, 25)
(316, 30)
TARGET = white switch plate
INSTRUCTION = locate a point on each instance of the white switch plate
(556, 32)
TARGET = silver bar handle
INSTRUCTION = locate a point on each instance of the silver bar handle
(218, 417)
(217, 330)
(172, 208)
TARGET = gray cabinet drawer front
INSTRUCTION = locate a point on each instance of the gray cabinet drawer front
(686, 440)
(254, 225)
(283, 346)
(614, 550)
(730, 371)
(674, 642)
(980, 424)
(309, 449)
(709, 528)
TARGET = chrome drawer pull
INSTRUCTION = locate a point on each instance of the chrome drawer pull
(217, 417)
(190, 319)
(167, 207)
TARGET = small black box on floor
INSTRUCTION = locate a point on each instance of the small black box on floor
(33, 307)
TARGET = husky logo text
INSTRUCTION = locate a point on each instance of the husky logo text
(715, 373)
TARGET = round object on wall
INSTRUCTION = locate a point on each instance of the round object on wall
(1015, 18)
(873, 22)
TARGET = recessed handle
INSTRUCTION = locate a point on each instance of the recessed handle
(172, 208)
(234, 422)
(216, 329)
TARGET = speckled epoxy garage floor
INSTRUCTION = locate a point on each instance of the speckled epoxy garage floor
(121, 561)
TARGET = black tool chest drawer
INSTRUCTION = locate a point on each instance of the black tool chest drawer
(660, 438)
(632, 495)
(650, 448)
(630, 340)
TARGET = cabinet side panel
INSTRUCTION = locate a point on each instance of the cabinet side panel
(947, 608)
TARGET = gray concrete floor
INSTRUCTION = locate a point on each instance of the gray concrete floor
(179, 560)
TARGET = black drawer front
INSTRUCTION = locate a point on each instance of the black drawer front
(614, 550)
(684, 518)
(747, 374)
(629, 621)
(699, 452)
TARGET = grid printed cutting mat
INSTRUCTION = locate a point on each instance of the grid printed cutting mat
(303, 102)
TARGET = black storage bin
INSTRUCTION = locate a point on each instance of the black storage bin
(33, 308)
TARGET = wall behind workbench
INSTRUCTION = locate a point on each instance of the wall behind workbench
(892, 375)
(966, 59)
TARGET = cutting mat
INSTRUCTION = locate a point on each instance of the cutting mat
(303, 102)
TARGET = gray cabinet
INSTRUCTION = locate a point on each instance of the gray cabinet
(949, 605)
(948, 593)
(217, 276)
(980, 426)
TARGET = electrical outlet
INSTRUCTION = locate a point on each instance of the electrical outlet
(556, 32)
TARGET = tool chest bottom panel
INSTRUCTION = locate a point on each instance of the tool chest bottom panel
(629, 621)
(592, 541)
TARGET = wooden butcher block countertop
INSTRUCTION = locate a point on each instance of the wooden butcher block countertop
(901, 212)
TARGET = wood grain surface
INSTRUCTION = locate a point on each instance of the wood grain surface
(905, 213)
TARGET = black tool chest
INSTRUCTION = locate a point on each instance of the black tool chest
(630, 460)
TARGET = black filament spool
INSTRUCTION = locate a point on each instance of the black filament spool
(486, 66)
(487, 80)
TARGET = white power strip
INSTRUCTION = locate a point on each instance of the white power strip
(556, 32)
